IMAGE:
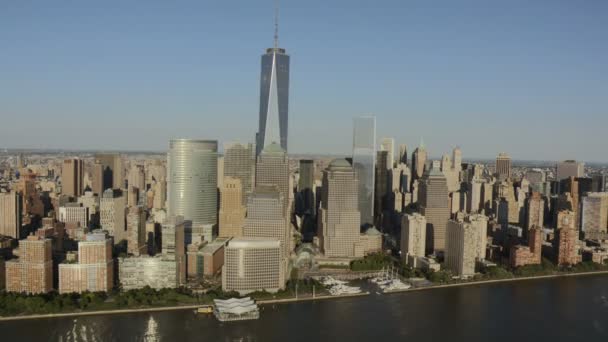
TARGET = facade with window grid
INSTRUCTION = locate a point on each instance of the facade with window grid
(339, 217)
(253, 264)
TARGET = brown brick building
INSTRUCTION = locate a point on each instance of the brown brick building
(566, 240)
(527, 255)
(33, 271)
(94, 270)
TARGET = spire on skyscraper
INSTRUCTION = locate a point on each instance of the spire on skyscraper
(421, 143)
(276, 24)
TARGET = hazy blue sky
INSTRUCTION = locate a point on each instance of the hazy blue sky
(526, 77)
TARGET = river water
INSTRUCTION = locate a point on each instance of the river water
(565, 309)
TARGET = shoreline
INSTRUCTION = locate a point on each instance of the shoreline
(298, 299)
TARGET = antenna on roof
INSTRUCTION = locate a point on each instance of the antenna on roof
(276, 24)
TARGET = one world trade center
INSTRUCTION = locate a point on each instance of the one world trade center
(274, 96)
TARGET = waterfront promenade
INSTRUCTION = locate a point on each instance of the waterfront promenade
(299, 298)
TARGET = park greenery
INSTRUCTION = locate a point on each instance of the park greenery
(498, 272)
(12, 304)
(372, 262)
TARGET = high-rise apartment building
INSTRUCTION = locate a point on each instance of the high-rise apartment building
(434, 205)
(339, 217)
(566, 239)
(594, 222)
(461, 248)
(413, 238)
(136, 230)
(112, 214)
(252, 264)
(33, 271)
(274, 97)
(272, 169)
(527, 255)
(10, 214)
(364, 163)
(232, 210)
(192, 183)
(72, 177)
(503, 166)
(535, 211)
(480, 223)
(94, 270)
(569, 168)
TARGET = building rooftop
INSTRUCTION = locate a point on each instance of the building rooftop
(254, 243)
(273, 148)
(339, 164)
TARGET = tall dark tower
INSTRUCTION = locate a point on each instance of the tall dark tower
(274, 95)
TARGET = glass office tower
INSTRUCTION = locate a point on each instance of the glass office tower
(192, 181)
(364, 163)
(274, 99)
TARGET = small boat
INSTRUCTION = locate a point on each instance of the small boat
(206, 309)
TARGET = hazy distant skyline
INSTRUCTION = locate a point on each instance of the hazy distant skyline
(527, 78)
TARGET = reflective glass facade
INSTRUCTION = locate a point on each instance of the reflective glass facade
(274, 99)
(192, 180)
(364, 162)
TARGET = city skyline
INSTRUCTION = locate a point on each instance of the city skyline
(166, 84)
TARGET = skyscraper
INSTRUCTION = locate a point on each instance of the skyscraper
(272, 169)
(265, 216)
(419, 161)
(503, 166)
(434, 205)
(402, 158)
(461, 248)
(381, 189)
(10, 214)
(112, 173)
(274, 96)
(457, 159)
(413, 238)
(136, 230)
(232, 210)
(339, 218)
(595, 215)
(306, 185)
(566, 240)
(112, 214)
(535, 211)
(569, 168)
(388, 145)
(72, 177)
(364, 163)
(192, 183)
(239, 162)
(98, 185)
